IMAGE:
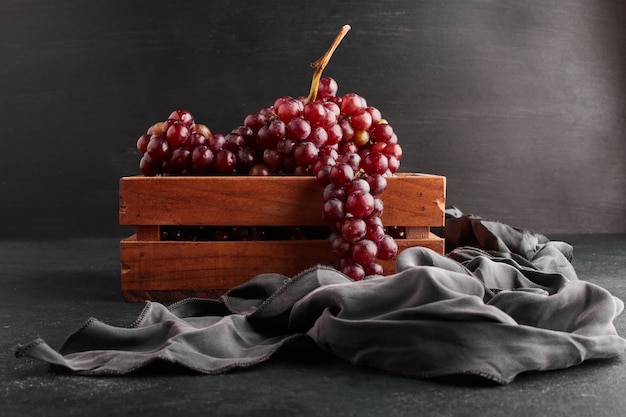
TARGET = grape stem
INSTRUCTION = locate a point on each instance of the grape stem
(321, 63)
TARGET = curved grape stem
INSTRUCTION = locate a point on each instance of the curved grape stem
(321, 63)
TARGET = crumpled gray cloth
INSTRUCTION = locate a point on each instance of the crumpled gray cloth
(509, 303)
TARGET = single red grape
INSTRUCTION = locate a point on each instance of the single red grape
(341, 174)
(387, 248)
(259, 170)
(183, 116)
(360, 204)
(225, 162)
(202, 156)
(298, 129)
(327, 87)
(142, 143)
(354, 271)
(333, 211)
(158, 148)
(375, 163)
(353, 229)
(288, 109)
(305, 153)
(364, 252)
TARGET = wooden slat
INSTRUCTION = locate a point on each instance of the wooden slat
(414, 200)
(166, 271)
(410, 200)
(148, 233)
(417, 232)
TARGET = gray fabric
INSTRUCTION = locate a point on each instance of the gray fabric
(510, 304)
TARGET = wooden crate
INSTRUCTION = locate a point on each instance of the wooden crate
(162, 270)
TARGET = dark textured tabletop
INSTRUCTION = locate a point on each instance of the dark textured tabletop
(50, 288)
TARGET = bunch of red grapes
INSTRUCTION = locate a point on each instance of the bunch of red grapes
(341, 140)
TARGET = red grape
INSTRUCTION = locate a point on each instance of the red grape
(197, 139)
(202, 156)
(387, 248)
(142, 143)
(332, 191)
(376, 115)
(393, 149)
(288, 109)
(305, 153)
(259, 170)
(341, 140)
(182, 116)
(318, 136)
(234, 142)
(272, 157)
(346, 129)
(177, 133)
(375, 232)
(225, 162)
(314, 112)
(149, 167)
(322, 175)
(373, 269)
(298, 129)
(254, 121)
(357, 184)
(360, 204)
(179, 160)
(158, 148)
(341, 174)
(377, 183)
(353, 229)
(327, 87)
(216, 142)
(333, 210)
(393, 164)
(264, 140)
(381, 132)
(285, 146)
(364, 252)
(246, 158)
(375, 163)
(353, 159)
(276, 129)
(350, 103)
(335, 135)
(354, 271)
(339, 246)
(333, 107)
(361, 119)
(323, 161)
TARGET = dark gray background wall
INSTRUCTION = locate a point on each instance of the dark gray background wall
(520, 104)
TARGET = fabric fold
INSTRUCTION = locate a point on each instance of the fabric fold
(503, 301)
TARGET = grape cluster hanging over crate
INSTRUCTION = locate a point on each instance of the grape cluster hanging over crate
(340, 140)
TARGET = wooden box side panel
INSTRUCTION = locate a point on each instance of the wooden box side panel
(236, 200)
(410, 200)
(414, 200)
(221, 265)
(168, 271)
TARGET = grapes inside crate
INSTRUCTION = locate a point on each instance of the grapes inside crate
(161, 264)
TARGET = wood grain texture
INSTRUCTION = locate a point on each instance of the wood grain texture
(410, 200)
(167, 271)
